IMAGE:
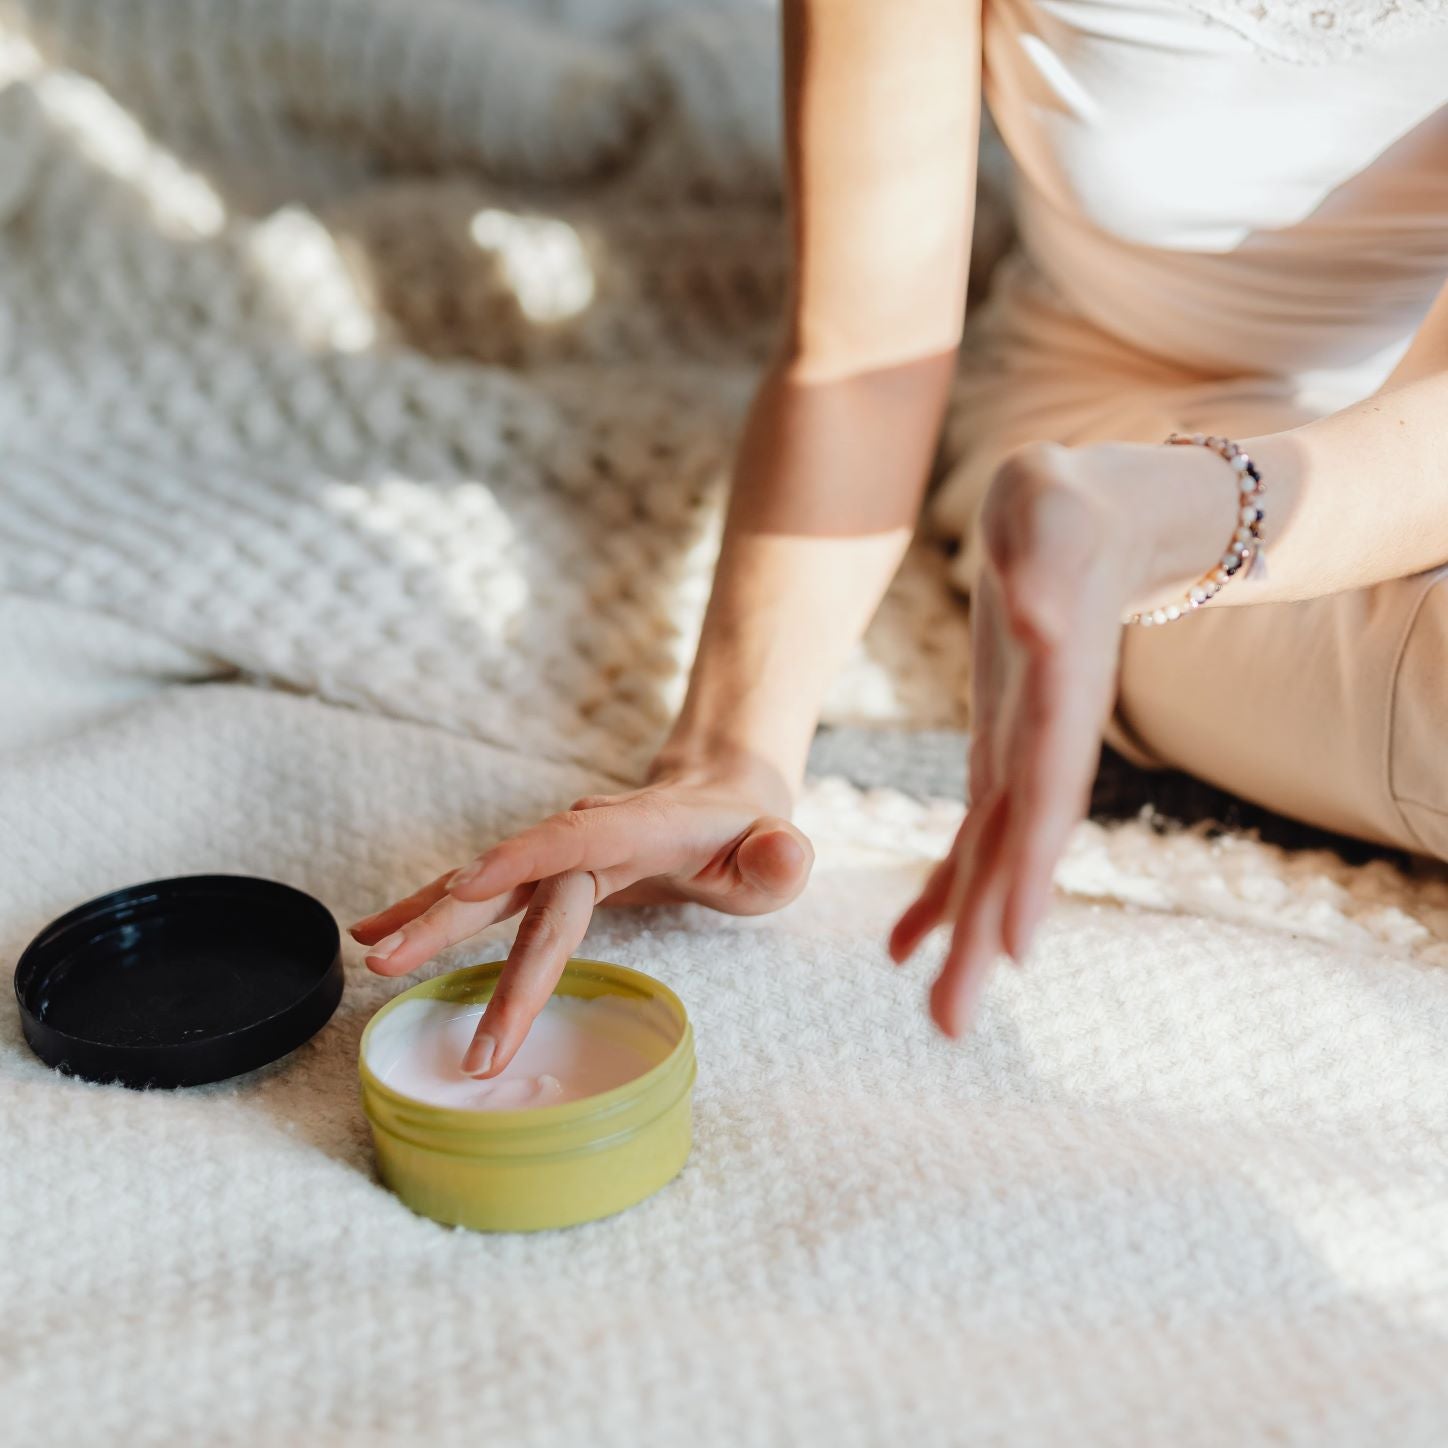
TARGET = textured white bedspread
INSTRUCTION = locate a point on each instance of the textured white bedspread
(362, 408)
(1186, 1183)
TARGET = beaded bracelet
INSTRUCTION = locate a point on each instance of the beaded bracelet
(1245, 549)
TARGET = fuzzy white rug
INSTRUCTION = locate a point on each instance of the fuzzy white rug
(1186, 1183)
(389, 361)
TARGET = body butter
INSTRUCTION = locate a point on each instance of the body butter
(592, 1114)
(576, 1048)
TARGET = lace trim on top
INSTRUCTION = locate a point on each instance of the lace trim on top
(1317, 31)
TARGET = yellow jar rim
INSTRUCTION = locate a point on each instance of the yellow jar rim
(458, 985)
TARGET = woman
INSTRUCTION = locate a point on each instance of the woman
(1234, 221)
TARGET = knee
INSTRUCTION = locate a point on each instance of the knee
(1418, 731)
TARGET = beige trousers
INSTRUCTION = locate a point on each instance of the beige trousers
(1333, 711)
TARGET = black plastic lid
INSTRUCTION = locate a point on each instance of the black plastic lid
(179, 982)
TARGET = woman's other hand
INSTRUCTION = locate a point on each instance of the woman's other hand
(1073, 539)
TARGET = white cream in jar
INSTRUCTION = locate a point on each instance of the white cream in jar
(577, 1047)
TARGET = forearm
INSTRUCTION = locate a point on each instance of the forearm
(1354, 498)
(1358, 497)
(881, 118)
(827, 487)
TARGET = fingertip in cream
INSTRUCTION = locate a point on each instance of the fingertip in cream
(478, 1059)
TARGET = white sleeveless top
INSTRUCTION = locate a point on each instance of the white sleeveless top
(1242, 186)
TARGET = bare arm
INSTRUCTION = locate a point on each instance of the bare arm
(1361, 496)
(882, 110)
(1354, 498)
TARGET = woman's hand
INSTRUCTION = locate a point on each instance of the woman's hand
(1073, 538)
(691, 835)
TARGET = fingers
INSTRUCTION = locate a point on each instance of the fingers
(445, 923)
(375, 928)
(923, 914)
(985, 684)
(1051, 784)
(955, 994)
(587, 838)
(773, 861)
(556, 920)
(928, 908)
(371, 928)
(1043, 834)
(764, 869)
(759, 870)
(977, 906)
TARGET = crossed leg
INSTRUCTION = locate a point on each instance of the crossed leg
(1333, 710)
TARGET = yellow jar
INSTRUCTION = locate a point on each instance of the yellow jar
(548, 1166)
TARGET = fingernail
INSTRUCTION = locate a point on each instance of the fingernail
(479, 1055)
(386, 946)
(465, 876)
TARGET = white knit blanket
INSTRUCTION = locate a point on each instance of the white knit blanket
(387, 357)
